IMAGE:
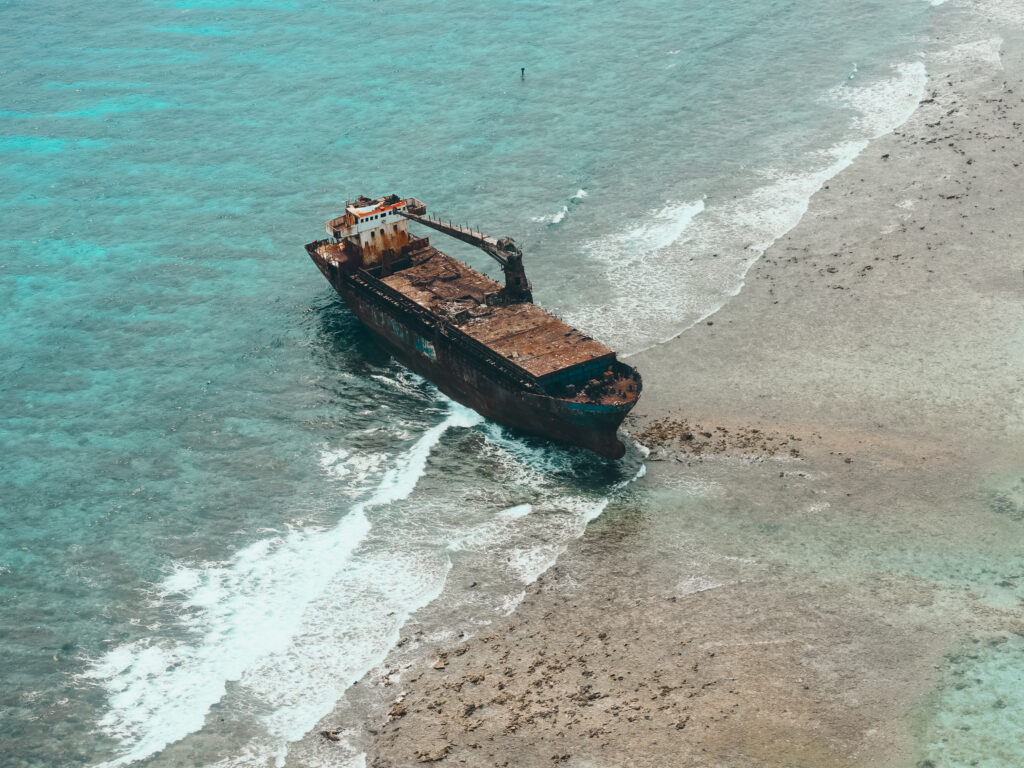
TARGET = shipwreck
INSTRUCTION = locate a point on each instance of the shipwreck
(484, 345)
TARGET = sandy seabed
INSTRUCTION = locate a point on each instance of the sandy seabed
(823, 565)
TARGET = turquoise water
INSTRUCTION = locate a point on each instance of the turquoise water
(219, 500)
(978, 712)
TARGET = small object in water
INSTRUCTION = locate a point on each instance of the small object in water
(522, 73)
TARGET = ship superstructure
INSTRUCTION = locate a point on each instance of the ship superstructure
(483, 344)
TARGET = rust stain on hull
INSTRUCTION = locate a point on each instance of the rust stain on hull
(484, 345)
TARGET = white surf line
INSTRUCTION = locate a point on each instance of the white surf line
(530, 564)
(632, 261)
(818, 180)
(526, 565)
(845, 153)
(245, 612)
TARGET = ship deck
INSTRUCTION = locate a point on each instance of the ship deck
(525, 334)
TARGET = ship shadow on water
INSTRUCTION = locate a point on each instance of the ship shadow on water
(362, 389)
(342, 342)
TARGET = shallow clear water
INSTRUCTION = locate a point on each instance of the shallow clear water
(978, 712)
(220, 501)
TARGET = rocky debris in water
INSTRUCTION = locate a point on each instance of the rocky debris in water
(386, 675)
(1008, 501)
(696, 440)
(433, 755)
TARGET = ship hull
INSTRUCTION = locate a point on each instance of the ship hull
(435, 351)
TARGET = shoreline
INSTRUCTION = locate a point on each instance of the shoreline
(743, 604)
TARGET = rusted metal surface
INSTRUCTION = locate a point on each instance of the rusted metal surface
(359, 288)
(511, 361)
(435, 279)
(538, 342)
(503, 250)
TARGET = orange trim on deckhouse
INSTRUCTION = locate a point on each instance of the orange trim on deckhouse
(379, 210)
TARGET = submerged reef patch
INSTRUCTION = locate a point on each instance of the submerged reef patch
(977, 715)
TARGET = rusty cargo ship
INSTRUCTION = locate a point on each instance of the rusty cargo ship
(484, 345)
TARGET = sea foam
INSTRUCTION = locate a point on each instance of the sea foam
(987, 51)
(530, 543)
(553, 218)
(292, 620)
(285, 627)
(888, 103)
(558, 216)
(685, 260)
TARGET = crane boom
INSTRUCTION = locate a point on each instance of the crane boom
(503, 250)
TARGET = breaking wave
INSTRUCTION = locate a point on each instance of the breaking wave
(553, 218)
(687, 259)
(558, 216)
(271, 621)
(277, 634)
